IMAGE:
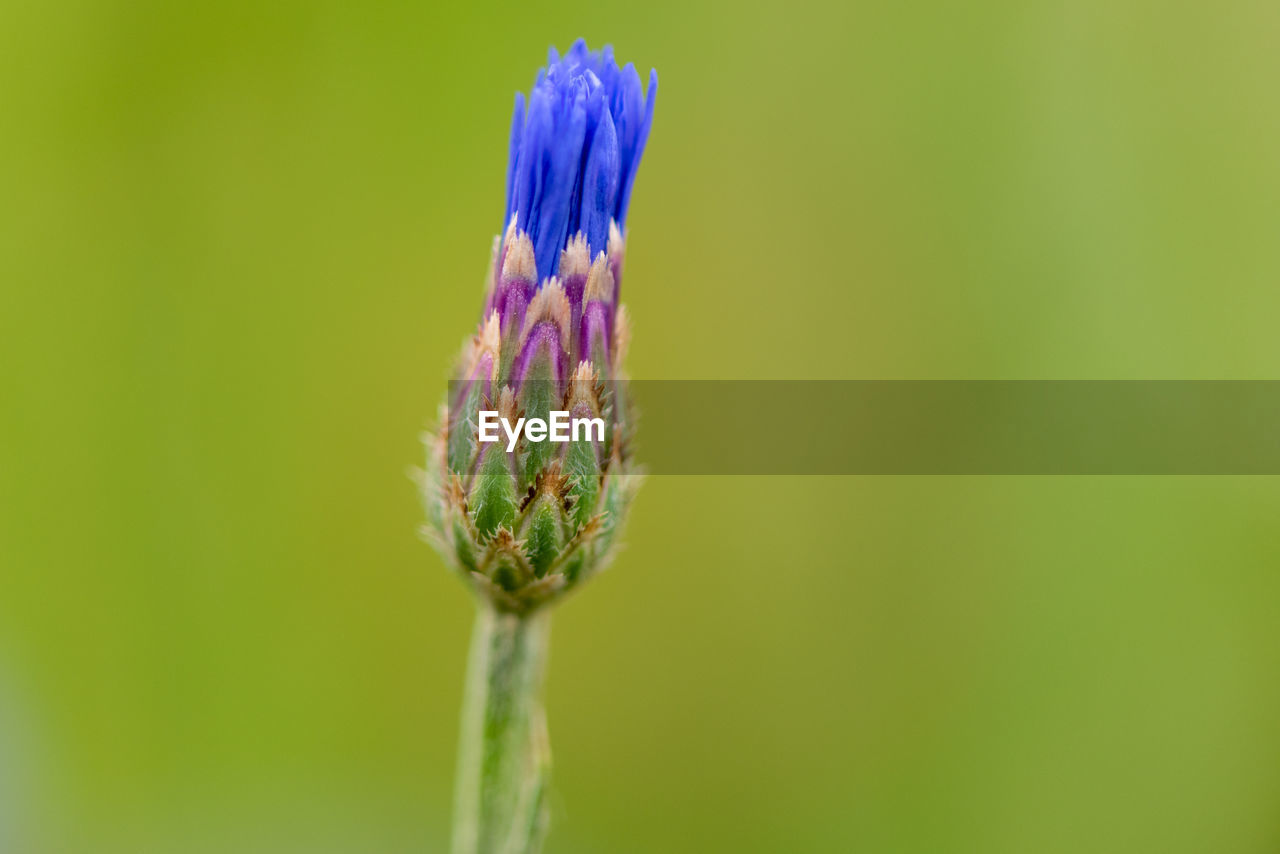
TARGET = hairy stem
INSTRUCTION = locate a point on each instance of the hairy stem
(503, 756)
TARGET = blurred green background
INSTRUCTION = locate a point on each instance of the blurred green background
(240, 243)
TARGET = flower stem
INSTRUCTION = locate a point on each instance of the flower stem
(503, 755)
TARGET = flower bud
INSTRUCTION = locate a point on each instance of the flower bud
(524, 515)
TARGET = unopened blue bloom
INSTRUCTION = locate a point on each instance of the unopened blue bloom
(575, 148)
(526, 522)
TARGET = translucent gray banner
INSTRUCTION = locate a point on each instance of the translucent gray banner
(815, 427)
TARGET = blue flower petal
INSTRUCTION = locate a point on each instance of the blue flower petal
(575, 148)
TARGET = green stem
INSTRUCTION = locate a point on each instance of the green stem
(503, 756)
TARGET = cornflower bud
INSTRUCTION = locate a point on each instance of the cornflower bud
(524, 520)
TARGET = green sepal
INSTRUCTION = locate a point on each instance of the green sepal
(582, 467)
(462, 430)
(506, 576)
(579, 554)
(617, 496)
(572, 566)
(539, 394)
(493, 494)
(544, 535)
(504, 562)
(464, 545)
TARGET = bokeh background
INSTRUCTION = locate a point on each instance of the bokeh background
(240, 243)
